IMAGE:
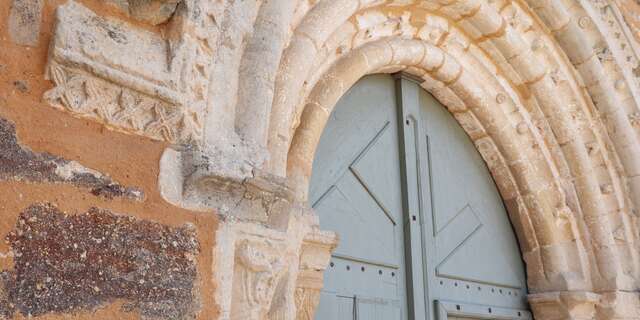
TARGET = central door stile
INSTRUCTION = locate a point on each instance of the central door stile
(407, 95)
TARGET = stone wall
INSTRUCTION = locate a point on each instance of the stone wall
(186, 130)
(84, 229)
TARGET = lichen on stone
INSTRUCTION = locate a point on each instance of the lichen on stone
(69, 263)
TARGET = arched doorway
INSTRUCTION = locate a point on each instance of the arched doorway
(424, 233)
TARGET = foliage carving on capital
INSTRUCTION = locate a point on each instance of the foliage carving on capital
(315, 254)
(259, 266)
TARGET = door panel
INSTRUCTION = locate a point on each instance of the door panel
(474, 241)
(336, 307)
(377, 309)
(406, 190)
(356, 190)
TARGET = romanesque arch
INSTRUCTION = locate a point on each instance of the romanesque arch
(523, 100)
(548, 91)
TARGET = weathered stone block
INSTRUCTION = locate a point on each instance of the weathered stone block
(24, 21)
(67, 263)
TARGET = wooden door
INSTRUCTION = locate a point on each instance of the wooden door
(356, 190)
(423, 231)
(472, 255)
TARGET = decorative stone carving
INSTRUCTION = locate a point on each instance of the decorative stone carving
(314, 258)
(271, 272)
(572, 181)
(258, 267)
(120, 108)
(130, 79)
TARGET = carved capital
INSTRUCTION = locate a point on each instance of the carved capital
(259, 265)
(314, 259)
(271, 274)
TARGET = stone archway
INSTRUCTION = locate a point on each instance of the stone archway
(541, 156)
(546, 89)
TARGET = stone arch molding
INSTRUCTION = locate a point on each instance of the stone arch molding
(547, 90)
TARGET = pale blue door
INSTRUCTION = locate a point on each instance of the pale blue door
(473, 260)
(423, 231)
(356, 190)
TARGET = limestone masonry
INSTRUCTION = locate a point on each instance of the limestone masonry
(155, 155)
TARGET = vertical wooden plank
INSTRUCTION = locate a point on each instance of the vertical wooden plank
(407, 94)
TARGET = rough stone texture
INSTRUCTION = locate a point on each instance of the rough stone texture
(150, 11)
(20, 163)
(24, 21)
(96, 75)
(153, 11)
(564, 305)
(66, 263)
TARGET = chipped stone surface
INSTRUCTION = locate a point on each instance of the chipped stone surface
(19, 163)
(22, 86)
(153, 11)
(24, 21)
(150, 11)
(66, 263)
(92, 58)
